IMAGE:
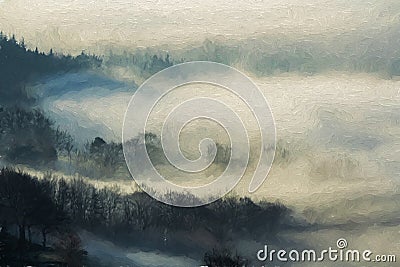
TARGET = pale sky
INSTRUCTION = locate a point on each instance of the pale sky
(73, 25)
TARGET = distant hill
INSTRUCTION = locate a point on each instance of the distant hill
(18, 65)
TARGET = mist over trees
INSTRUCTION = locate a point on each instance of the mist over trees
(144, 63)
(54, 206)
(97, 159)
(30, 137)
(45, 215)
(262, 58)
(18, 65)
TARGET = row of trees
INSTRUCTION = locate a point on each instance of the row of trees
(54, 203)
(110, 211)
(267, 59)
(29, 137)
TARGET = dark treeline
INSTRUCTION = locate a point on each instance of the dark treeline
(18, 65)
(54, 206)
(120, 216)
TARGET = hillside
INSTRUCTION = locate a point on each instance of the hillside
(19, 65)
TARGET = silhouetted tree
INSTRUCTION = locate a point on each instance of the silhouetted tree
(24, 201)
(28, 136)
(70, 248)
(224, 258)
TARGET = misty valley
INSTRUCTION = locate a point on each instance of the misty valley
(67, 196)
